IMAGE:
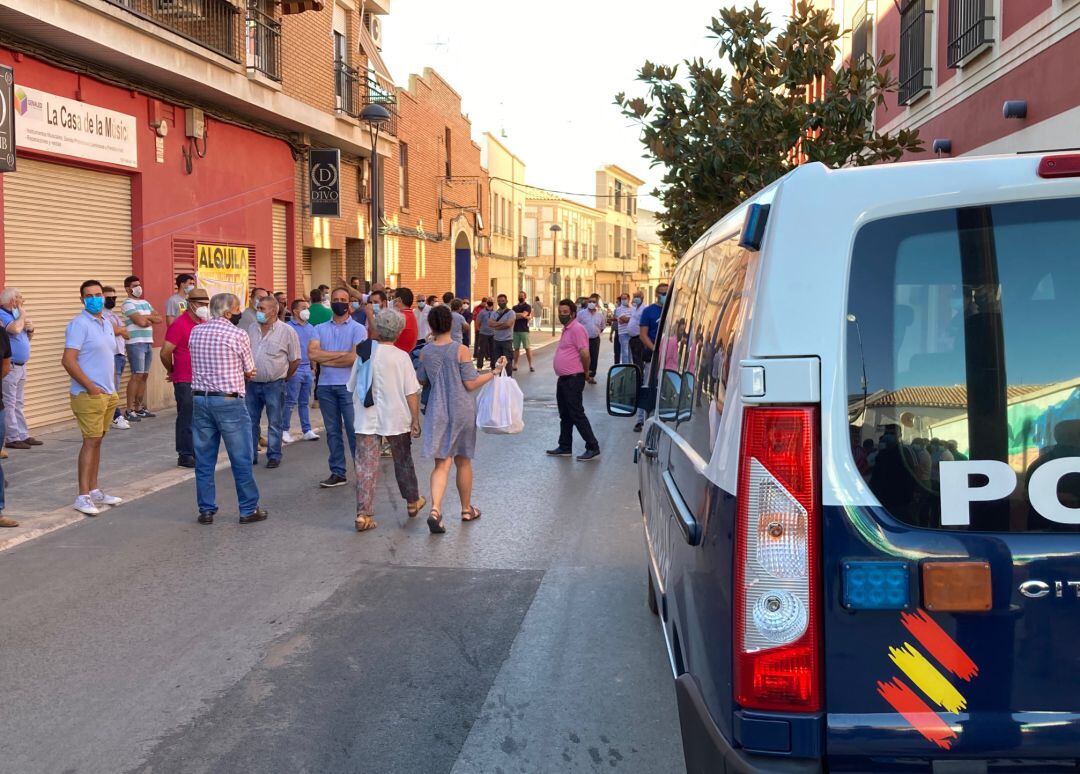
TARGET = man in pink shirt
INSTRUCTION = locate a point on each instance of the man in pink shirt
(176, 357)
(571, 365)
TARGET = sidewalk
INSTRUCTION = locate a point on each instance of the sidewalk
(41, 482)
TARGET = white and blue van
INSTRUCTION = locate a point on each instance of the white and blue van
(860, 476)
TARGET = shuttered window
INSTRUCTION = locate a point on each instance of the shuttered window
(54, 238)
(281, 249)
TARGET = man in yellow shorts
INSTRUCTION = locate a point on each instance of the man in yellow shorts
(89, 346)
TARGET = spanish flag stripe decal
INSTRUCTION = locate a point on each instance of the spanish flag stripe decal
(916, 712)
(940, 645)
(927, 678)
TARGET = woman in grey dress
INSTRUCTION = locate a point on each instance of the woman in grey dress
(450, 418)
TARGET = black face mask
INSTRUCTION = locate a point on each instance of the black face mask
(110, 303)
(565, 318)
(234, 319)
(340, 307)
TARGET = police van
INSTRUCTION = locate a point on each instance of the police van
(860, 475)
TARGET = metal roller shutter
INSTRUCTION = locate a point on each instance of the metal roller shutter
(62, 225)
(305, 271)
(281, 251)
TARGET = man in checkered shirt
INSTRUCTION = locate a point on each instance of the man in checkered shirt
(221, 364)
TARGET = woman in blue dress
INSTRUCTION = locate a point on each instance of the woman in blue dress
(450, 418)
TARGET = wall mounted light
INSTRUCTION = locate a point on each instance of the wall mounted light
(1014, 108)
(942, 145)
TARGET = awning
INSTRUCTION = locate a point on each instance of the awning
(374, 56)
(299, 6)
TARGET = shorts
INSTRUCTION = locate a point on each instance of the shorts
(521, 340)
(139, 356)
(94, 412)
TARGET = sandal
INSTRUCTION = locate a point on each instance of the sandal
(364, 522)
(434, 522)
(414, 508)
(472, 514)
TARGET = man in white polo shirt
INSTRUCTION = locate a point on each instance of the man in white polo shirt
(140, 319)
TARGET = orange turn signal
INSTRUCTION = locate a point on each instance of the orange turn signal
(956, 586)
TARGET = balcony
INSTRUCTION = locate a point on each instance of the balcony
(210, 23)
(353, 91)
(263, 42)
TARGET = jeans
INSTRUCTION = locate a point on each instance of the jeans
(504, 349)
(13, 388)
(218, 419)
(272, 396)
(568, 391)
(119, 361)
(624, 348)
(594, 354)
(139, 354)
(335, 402)
(298, 396)
(185, 446)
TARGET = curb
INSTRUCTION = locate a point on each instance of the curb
(51, 521)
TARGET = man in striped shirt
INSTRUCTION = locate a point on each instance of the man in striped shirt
(221, 364)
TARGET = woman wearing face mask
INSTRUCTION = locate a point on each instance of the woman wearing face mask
(450, 419)
(299, 386)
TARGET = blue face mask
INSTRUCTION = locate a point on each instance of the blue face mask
(375, 308)
(355, 305)
(94, 304)
(260, 317)
(636, 301)
(660, 299)
(16, 314)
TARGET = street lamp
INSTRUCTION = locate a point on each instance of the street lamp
(375, 116)
(555, 229)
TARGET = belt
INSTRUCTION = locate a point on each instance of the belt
(215, 394)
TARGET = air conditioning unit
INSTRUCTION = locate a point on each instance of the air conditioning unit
(373, 24)
(180, 9)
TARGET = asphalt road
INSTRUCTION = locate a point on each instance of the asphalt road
(142, 641)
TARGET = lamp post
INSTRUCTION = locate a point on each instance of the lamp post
(555, 229)
(375, 116)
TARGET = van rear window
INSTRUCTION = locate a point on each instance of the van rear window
(963, 365)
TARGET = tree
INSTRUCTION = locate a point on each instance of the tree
(773, 102)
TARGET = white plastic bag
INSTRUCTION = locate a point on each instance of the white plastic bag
(500, 407)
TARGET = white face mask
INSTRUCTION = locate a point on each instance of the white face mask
(137, 291)
(636, 301)
(188, 288)
(202, 312)
(592, 306)
(326, 303)
(304, 315)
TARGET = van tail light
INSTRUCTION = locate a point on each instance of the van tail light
(777, 558)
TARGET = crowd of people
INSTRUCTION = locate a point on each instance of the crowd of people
(383, 366)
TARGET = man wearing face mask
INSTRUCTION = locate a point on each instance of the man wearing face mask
(621, 328)
(177, 302)
(410, 334)
(484, 335)
(276, 349)
(592, 318)
(648, 329)
(89, 346)
(502, 324)
(423, 309)
(19, 328)
(140, 319)
(247, 318)
(120, 358)
(571, 363)
(333, 346)
(176, 357)
(637, 306)
(298, 387)
(523, 312)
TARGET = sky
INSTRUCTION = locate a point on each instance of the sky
(546, 74)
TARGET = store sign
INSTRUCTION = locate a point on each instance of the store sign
(222, 269)
(7, 119)
(324, 176)
(66, 127)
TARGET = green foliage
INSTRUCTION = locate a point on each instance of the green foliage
(723, 132)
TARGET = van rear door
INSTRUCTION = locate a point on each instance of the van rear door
(953, 593)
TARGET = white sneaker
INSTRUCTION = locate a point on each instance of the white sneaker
(286, 438)
(121, 424)
(100, 498)
(83, 504)
(311, 435)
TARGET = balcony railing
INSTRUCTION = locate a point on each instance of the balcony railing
(210, 23)
(915, 47)
(345, 84)
(971, 29)
(264, 42)
(354, 90)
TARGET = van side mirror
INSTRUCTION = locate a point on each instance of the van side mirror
(623, 389)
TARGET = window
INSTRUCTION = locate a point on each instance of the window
(862, 32)
(968, 324)
(447, 147)
(971, 29)
(403, 174)
(618, 241)
(618, 196)
(916, 44)
(698, 341)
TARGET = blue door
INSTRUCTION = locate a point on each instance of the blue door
(462, 272)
